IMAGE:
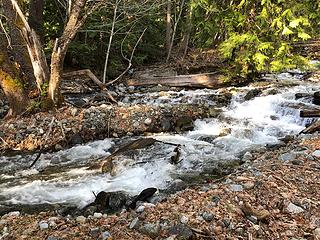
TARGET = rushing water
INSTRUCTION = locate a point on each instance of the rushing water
(62, 177)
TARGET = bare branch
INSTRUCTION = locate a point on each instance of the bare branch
(110, 41)
(130, 60)
(6, 34)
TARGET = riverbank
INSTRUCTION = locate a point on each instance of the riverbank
(273, 195)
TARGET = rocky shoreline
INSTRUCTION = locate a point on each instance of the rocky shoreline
(273, 195)
(70, 126)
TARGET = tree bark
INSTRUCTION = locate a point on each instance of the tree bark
(36, 18)
(76, 20)
(186, 35)
(20, 53)
(11, 82)
(35, 50)
(168, 26)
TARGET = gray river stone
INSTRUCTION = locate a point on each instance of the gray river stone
(207, 216)
(316, 154)
(43, 225)
(182, 231)
(287, 157)
(292, 208)
(150, 229)
(236, 187)
(106, 235)
(135, 223)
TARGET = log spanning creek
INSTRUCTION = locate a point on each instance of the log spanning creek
(245, 125)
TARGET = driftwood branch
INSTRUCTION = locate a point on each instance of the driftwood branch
(88, 73)
(314, 127)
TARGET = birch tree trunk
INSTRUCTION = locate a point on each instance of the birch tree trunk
(168, 26)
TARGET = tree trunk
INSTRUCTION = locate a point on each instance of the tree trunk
(186, 35)
(20, 53)
(57, 59)
(75, 22)
(168, 26)
(35, 50)
(36, 18)
(11, 83)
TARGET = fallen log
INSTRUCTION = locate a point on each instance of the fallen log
(314, 127)
(206, 80)
(310, 113)
(302, 95)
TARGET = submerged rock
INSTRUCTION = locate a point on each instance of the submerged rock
(252, 94)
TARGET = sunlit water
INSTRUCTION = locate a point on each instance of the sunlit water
(62, 177)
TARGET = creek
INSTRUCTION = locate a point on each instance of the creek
(243, 126)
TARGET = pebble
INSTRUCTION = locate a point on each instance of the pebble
(184, 219)
(215, 200)
(3, 222)
(297, 162)
(207, 216)
(236, 187)
(148, 121)
(43, 225)
(292, 208)
(94, 232)
(247, 157)
(74, 112)
(181, 231)
(151, 229)
(106, 235)
(58, 147)
(97, 215)
(136, 124)
(14, 214)
(287, 157)
(317, 233)
(52, 238)
(248, 185)
(140, 209)
(135, 223)
(316, 154)
(81, 219)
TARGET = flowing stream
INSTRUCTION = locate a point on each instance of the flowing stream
(63, 178)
